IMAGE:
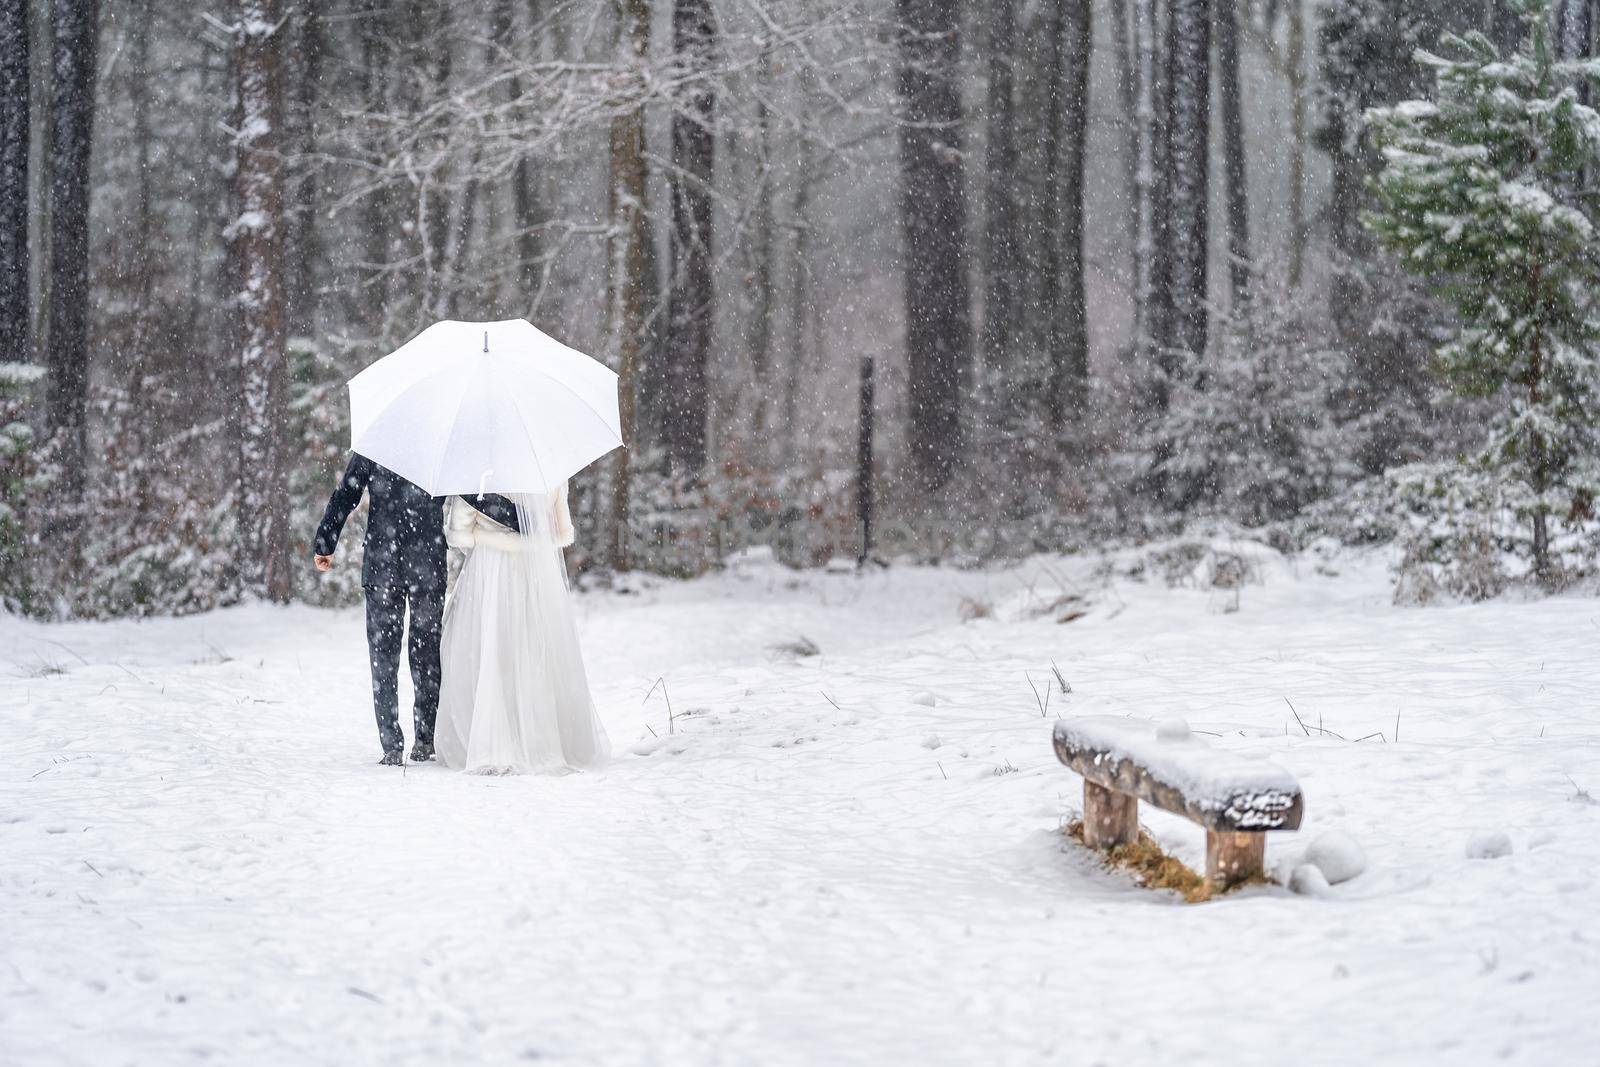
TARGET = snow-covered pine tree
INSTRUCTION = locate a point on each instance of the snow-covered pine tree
(1480, 192)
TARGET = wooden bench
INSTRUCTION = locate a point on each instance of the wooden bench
(1126, 760)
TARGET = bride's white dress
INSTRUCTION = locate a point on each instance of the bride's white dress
(514, 695)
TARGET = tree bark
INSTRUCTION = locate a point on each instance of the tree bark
(527, 208)
(934, 218)
(1069, 350)
(1239, 265)
(689, 318)
(1002, 246)
(1145, 239)
(627, 193)
(1122, 39)
(15, 128)
(258, 235)
(764, 276)
(1189, 88)
(1575, 35)
(75, 48)
(1297, 148)
(303, 243)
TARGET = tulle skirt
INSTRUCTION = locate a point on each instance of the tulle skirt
(514, 696)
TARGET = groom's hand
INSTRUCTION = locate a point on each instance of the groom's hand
(324, 563)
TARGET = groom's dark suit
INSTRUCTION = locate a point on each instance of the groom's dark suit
(404, 566)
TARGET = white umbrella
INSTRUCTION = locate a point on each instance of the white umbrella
(485, 407)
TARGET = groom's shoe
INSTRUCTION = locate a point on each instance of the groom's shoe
(391, 758)
(421, 752)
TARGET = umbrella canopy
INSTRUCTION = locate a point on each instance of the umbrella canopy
(485, 407)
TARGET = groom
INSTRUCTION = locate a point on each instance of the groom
(404, 567)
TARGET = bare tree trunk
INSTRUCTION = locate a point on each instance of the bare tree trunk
(258, 234)
(627, 210)
(765, 283)
(1122, 38)
(75, 49)
(799, 295)
(1189, 63)
(379, 215)
(1145, 240)
(15, 128)
(303, 244)
(1239, 265)
(1575, 35)
(1002, 249)
(526, 204)
(1297, 133)
(1069, 350)
(934, 216)
(690, 302)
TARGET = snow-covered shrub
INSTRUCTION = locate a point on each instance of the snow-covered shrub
(1253, 436)
(683, 528)
(19, 482)
(161, 540)
(319, 447)
(1458, 540)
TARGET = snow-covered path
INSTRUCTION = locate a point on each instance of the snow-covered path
(198, 859)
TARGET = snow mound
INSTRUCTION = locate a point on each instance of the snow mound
(1489, 845)
(932, 741)
(925, 698)
(1173, 730)
(1336, 856)
(1308, 880)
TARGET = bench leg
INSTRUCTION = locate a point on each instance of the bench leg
(1109, 818)
(1232, 858)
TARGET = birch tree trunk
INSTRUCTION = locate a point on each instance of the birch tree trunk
(257, 232)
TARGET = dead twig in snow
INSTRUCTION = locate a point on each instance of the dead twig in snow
(672, 720)
(1297, 718)
(1043, 702)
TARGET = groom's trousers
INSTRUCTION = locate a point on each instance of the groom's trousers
(386, 622)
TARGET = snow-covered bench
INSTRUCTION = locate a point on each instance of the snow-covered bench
(1126, 760)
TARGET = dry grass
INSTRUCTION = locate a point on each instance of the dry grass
(1153, 868)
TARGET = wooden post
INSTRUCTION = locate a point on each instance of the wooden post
(864, 498)
(1233, 857)
(1109, 818)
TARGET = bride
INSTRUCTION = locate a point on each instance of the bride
(514, 695)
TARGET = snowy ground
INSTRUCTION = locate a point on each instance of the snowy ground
(198, 859)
